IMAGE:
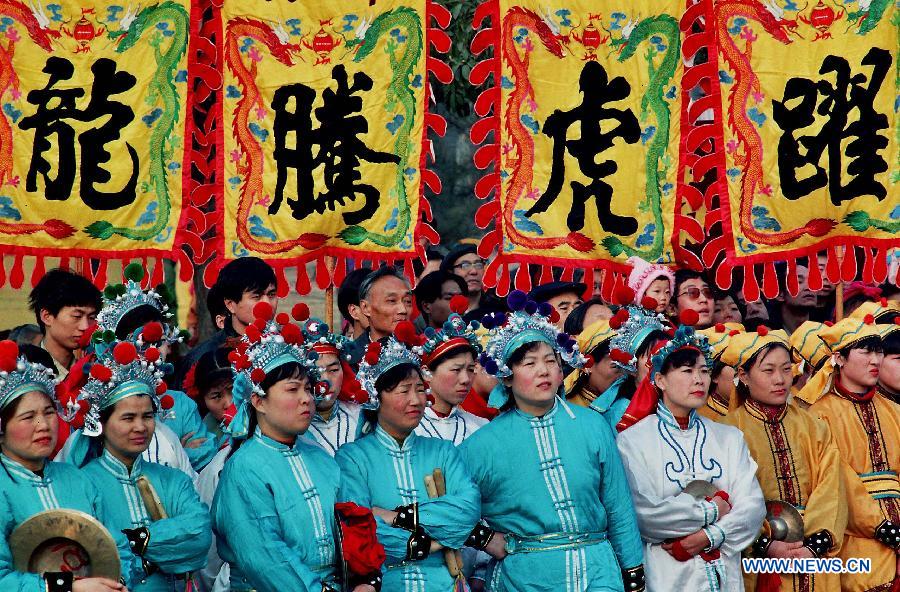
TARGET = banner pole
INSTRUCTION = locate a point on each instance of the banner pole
(330, 262)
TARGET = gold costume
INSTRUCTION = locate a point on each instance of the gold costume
(797, 462)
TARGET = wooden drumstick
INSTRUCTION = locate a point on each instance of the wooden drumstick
(454, 563)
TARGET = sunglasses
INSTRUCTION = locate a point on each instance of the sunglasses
(694, 293)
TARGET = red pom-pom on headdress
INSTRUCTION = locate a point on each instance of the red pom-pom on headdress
(623, 295)
(260, 323)
(372, 353)
(263, 310)
(621, 356)
(161, 390)
(405, 332)
(884, 301)
(292, 334)
(282, 318)
(619, 319)
(167, 402)
(258, 375)
(689, 317)
(152, 332)
(828, 323)
(720, 328)
(459, 304)
(762, 330)
(649, 302)
(9, 354)
(152, 354)
(869, 319)
(101, 373)
(253, 333)
(300, 312)
(125, 353)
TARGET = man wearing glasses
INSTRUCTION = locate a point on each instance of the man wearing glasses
(465, 262)
(693, 293)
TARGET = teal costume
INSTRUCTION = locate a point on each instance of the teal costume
(556, 487)
(177, 544)
(24, 494)
(184, 419)
(610, 405)
(378, 472)
(273, 516)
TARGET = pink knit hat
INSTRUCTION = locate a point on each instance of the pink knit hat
(643, 273)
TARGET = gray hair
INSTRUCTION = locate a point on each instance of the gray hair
(382, 272)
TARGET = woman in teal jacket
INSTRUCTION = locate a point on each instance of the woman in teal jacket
(553, 490)
(387, 471)
(273, 512)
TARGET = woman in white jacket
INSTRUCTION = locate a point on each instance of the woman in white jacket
(690, 543)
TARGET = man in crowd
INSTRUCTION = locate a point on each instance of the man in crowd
(348, 302)
(385, 299)
(241, 284)
(789, 312)
(433, 294)
(65, 305)
(465, 262)
(563, 296)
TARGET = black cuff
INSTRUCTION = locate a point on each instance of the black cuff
(819, 543)
(373, 579)
(634, 579)
(407, 517)
(138, 539)
(888, 534)
(418, 546)
(59, 581)
(480, 538)
(760, 547)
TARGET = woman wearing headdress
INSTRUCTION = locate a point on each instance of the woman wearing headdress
(131, 313)
(587, 384)
(722, 375)
(450, 354)
(866, 430)
(691, 541)
(273, 512)
(208, 383)
(553, 493)
(798, 464)
(638, 330)
(392, 469)
(118, 408)
(30, 483)
(338, 419)
(809, 354)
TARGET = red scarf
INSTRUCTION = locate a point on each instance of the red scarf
(855, 397)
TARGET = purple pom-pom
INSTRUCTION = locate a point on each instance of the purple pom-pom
(531, 307)
(487, 321)
(562, 339)
(500, 317)
(545, 308)
(516, 300)
(483, 360)
(491, 367)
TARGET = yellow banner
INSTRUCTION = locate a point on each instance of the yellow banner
(324, 118)
(589, 131)
(92, 129)
(809, 98)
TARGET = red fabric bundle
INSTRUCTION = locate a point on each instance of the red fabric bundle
(362, 552)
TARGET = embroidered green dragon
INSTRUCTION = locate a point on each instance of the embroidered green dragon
(161, 89)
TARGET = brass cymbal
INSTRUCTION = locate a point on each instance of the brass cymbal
(65, 540)
(785, 522)
(700, 489)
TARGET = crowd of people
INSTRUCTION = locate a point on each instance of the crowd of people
(445, 439)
